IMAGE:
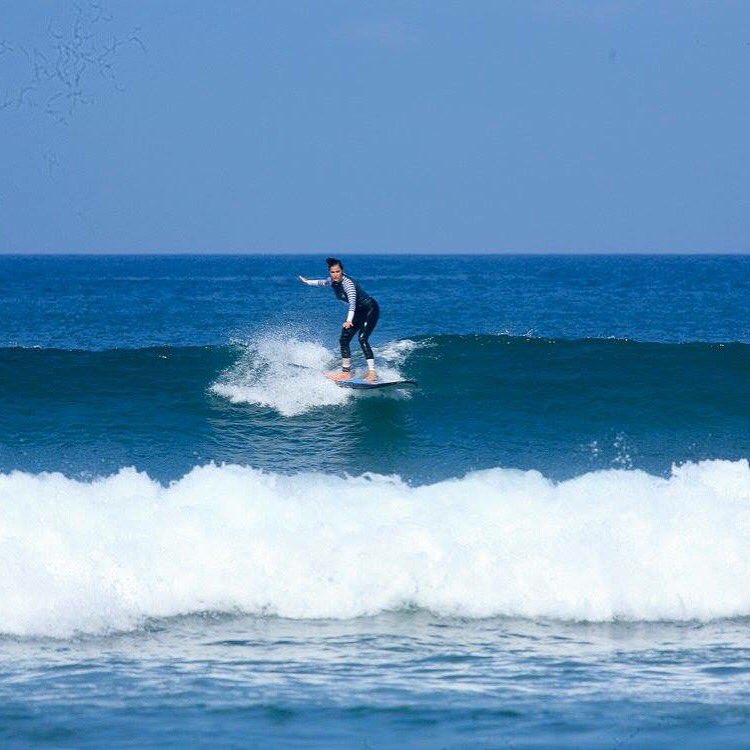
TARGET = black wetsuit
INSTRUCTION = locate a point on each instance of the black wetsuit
(366, 314)
(363, 312)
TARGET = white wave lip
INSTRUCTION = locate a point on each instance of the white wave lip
(105, 555)
(397, 352)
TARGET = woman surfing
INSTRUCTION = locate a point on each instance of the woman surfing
(361, 318)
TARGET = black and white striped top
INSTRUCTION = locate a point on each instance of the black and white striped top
(348, 287)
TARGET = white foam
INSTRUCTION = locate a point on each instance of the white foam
(281, 373)
(288, 374)
(102, 555)
(397, 352)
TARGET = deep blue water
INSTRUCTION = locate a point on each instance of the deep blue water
(204, 542)
(80, 302)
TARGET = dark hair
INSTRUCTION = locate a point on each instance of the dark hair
(334, 262)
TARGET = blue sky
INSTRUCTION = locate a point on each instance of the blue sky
(530, 126)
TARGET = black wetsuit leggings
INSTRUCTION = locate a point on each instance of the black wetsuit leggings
(365, 319)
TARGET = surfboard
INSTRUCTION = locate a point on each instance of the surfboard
(367, 385)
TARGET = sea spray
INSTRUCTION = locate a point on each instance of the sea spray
(287, 374)
(282, 374)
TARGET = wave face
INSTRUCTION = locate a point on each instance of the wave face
(108, 554)
(562, 407)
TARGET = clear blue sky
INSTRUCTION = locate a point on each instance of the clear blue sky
(337, 125)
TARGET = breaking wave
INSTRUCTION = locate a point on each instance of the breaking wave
(108, 554)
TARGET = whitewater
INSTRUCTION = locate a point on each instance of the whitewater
(285, 373)
(106, 555)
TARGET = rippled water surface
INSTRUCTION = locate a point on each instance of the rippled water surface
(223, 681)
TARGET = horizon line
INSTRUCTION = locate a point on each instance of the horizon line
(388, 254)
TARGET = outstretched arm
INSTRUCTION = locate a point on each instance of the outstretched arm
(314, 282)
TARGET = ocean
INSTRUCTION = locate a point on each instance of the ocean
(206, 543)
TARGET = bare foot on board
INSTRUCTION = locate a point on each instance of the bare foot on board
(339, 375)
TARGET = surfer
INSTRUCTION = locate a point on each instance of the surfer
(362, 317)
